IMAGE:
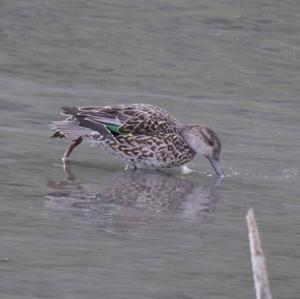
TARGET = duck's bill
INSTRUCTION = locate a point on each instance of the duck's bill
(216, 165)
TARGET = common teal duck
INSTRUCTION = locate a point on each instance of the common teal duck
(142, 135)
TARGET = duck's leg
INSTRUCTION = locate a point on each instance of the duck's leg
(70, 149)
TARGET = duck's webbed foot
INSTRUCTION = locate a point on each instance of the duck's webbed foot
(186, 170)
(130, 167)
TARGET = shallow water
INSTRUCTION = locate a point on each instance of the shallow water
(94, 230)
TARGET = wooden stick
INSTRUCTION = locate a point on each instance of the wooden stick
(259, 269)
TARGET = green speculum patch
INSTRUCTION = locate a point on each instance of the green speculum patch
(115, 130)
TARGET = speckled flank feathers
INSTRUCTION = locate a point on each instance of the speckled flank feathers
(143, 135)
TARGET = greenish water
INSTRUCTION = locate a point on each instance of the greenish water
(97, 231)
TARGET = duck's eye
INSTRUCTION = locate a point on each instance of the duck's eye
(211, 143)
(208, 140)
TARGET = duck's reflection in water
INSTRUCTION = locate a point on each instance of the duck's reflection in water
(133, 198)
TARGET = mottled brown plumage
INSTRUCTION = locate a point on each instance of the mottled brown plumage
(144, 135)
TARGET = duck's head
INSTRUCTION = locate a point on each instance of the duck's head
(205, 141)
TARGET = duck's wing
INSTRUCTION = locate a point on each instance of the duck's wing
(135, 119)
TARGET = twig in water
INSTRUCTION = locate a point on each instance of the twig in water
(258, 261)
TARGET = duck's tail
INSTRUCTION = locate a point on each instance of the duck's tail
(69, 128)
